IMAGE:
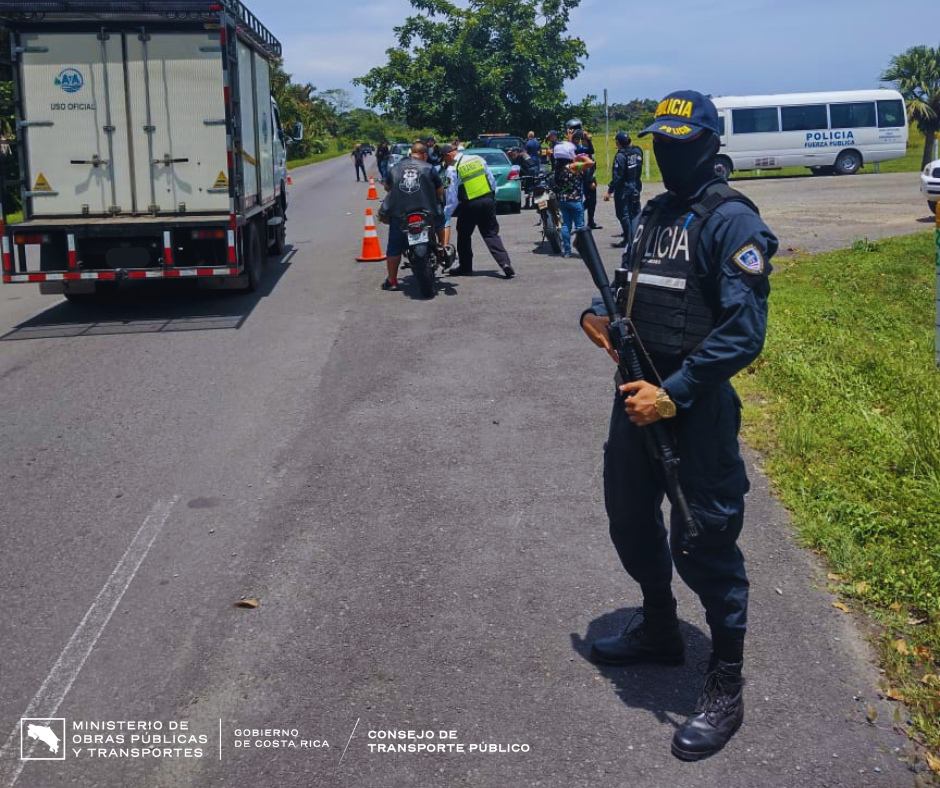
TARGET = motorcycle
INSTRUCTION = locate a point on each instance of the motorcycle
(546, 204)
(423, 252)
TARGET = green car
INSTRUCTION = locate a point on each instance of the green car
(506, 174)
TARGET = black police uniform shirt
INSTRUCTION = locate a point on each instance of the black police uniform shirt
(731, 265)
(626, 171)
(634, 168)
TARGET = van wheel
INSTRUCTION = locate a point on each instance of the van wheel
(723, 167)
(848, 163)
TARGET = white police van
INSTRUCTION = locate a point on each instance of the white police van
(829, 132)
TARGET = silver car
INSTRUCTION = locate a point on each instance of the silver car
(930, 184)
(398, 151)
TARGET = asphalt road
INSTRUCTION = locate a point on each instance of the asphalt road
(412, 492)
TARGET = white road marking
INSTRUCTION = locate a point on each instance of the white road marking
(47, 700)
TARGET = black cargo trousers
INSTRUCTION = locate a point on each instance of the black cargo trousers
(481, 213)
(714, 481)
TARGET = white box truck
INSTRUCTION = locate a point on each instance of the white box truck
(149, 144)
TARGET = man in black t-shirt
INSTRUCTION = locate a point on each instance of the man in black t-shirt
(412, 185)
(359, 154)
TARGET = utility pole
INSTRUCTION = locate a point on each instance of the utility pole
(606, 130)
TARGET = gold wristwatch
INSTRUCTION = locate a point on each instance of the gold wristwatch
(665, 407)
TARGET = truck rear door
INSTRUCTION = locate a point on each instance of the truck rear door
(178, 122)
(75, 119)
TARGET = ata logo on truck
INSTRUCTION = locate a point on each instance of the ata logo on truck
(70, 80)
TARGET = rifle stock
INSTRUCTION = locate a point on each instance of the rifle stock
(659, 442)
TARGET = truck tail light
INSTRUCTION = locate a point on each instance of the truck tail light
(22, 239)
(208, 235)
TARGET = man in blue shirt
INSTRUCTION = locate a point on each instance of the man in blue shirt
(533, 147)
(696, 285)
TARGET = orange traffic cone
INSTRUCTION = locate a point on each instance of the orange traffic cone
(371, 251)
(373, 194)
(290, 180)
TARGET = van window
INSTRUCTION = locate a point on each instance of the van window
(721, 125)
(859, 114)
(754, 121)
(806, 117)
(890, 113)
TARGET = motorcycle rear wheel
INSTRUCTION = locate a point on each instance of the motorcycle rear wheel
(550, 231)
(421, 269)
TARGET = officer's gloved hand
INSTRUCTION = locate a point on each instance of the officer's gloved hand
(596, 329)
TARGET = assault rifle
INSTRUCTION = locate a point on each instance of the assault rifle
(659, 441)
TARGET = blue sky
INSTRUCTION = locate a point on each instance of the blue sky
(646, 49)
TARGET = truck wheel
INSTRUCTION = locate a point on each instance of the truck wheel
(279, 241)
(254, 261)
(848, 162)
(723, 167)
(933, 207)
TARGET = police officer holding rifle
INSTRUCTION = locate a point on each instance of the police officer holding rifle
(690, 311)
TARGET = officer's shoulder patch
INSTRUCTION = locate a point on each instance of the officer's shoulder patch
(749, 259)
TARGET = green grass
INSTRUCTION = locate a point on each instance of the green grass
(332, 151)
(844, 404)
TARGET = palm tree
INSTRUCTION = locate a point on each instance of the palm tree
(916, 73)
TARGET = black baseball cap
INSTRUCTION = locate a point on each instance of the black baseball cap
(683, 114)
(622, 137)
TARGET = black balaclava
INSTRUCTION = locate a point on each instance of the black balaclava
(687, 166)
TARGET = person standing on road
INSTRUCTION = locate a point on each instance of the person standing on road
(700, 272)
(474, 191)
(585, 146)
(412, 185)
(434, 152)
(625, 185)
(551, 140)
(533, 148)
(359, 155)
(528, 169)
(382, 153)
(569, 191)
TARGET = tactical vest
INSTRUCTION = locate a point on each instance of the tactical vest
(671, 309)
(473, 182)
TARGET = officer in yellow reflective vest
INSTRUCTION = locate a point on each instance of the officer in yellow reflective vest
(473, 191)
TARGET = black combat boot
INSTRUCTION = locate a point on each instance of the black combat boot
(717, 716)
(656, 638)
